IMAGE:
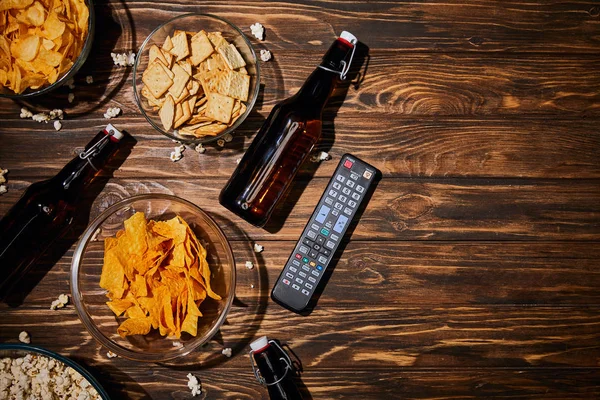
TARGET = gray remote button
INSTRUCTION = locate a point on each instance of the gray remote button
(322, 259)
(300, 281)
(354, 176)
(352, 203)
(337, 185)
(338, 206)
(294, 269)
(335, 212)
(296, 263)
(356, 196)
(334, 236)
(305, 292)
(342, 198)
(360, 189)
(302, 274)
(296, 286)
(322, 214)
(329, 200)
(340, 224)
(329, 244)
(333, 193)
(312, 234)
(289, 275)
(305, 267)
(311, 279)
(350, 183)
(303, 249)
(340, 178)
(308, 285)
(315, 272)
(315, 227)
(346, 191)
(329, 224)
(348, 211)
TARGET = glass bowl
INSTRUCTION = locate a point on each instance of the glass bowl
(195, 22)
(21, 350)
(90, 299)
(77, 64)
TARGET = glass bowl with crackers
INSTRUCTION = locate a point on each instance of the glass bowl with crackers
(153, 278)
(42, 44)
(196, 78)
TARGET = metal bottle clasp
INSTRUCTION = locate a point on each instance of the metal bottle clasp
(285, 358)
(95, 149)
(345, 65)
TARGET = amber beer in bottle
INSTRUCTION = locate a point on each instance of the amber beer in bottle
(47, 208)
(285, 139)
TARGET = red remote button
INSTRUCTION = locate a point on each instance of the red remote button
(298, 256)
(348, 164)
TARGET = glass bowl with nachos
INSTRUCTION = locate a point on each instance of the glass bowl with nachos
(43, 44)
(153, 278)
(196, 78)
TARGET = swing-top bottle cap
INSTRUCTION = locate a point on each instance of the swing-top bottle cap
(259, 344)
(348, 37)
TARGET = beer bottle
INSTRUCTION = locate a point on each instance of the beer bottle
(47, 208)
(285, 139)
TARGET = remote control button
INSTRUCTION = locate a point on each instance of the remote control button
(303, 249)
(291, 276)
(352, 203)
(305, 292)
(298, 256)
(317, 247)
(311, 279)
(334, 237)
(333, 193)
(340, 178)
(348, 164)
(350, 183)
(308, 285)
(312, 234)
(293, 269)
(325, 232)
(315, 227)
(360, 189)
(329, 224)
(287, 282)
(325, 252)
(296, 286)
(313, 254)
(329, 200)
(367, 175)
(340, 224)
(320, 268)
(342, 198)
(302, 274)
(305, 260)
(354, 176)
(346, 191)
(312, 263)
(322, 259)
(329, 244)
(338, 206)
(296, 263)
(356, 196)
(348, 211)
(314, 272)
(323, 212)
(335, 213)
(309, 243)
(337, 185)
(300, 281)
(320, 240)
(305, 267)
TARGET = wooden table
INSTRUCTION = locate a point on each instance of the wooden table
(474, 271)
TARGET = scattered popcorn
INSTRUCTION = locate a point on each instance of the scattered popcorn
(177, 344)
(38, 377)
(57, 125)
(71, 97)
(226, 352)
(265, 55)
(258, 248)
(123, 59)
(200, 149)
(112, 112)
(57, 114)
(110, 354)
(89, 79)
(220, 143)
(2, 173)
(228, 137)
(249, 264)
(321, 156)
(71, 83)
(3, 189)
(177, 154)
(25, 113)
(41, 117)
(94, 237)
(238, 160)
(62, 301)
(258, 31)
(24, 337)
(194, 385)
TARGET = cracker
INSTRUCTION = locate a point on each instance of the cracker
(180, 79)
(201, 48)
(239, 85)
(217, 39)
(157, 79)
(183, 96)
(167, 113)
(210, 130)
(168, 57)
(156, 53)
(231, 56)
(187, 66)
(193, 87)
(187, 113)
(168, 44)
(180, 45)
(219, 107)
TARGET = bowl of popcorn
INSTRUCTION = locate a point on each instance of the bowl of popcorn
(30, 372)
(196, 78)
(43, 47)
(153, 278)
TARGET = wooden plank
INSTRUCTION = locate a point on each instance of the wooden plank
(374, 336)
(401, 209)
(403, 148)
(478, 26)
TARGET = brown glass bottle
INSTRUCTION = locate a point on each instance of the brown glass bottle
(45, 211)
(284, 141)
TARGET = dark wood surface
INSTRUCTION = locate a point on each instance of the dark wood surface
(474, 270)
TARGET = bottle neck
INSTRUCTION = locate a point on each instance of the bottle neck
(84, 168)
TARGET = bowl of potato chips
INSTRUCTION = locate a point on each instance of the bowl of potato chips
(153, 278)
(43, 43)
(196, 78)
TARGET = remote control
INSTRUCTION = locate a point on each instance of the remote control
(323, 233)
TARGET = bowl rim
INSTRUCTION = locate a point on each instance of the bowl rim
(80, 308)
(250, 104)
(79, 61)
(63, 359)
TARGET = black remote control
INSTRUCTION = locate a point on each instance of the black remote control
(323, 234)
